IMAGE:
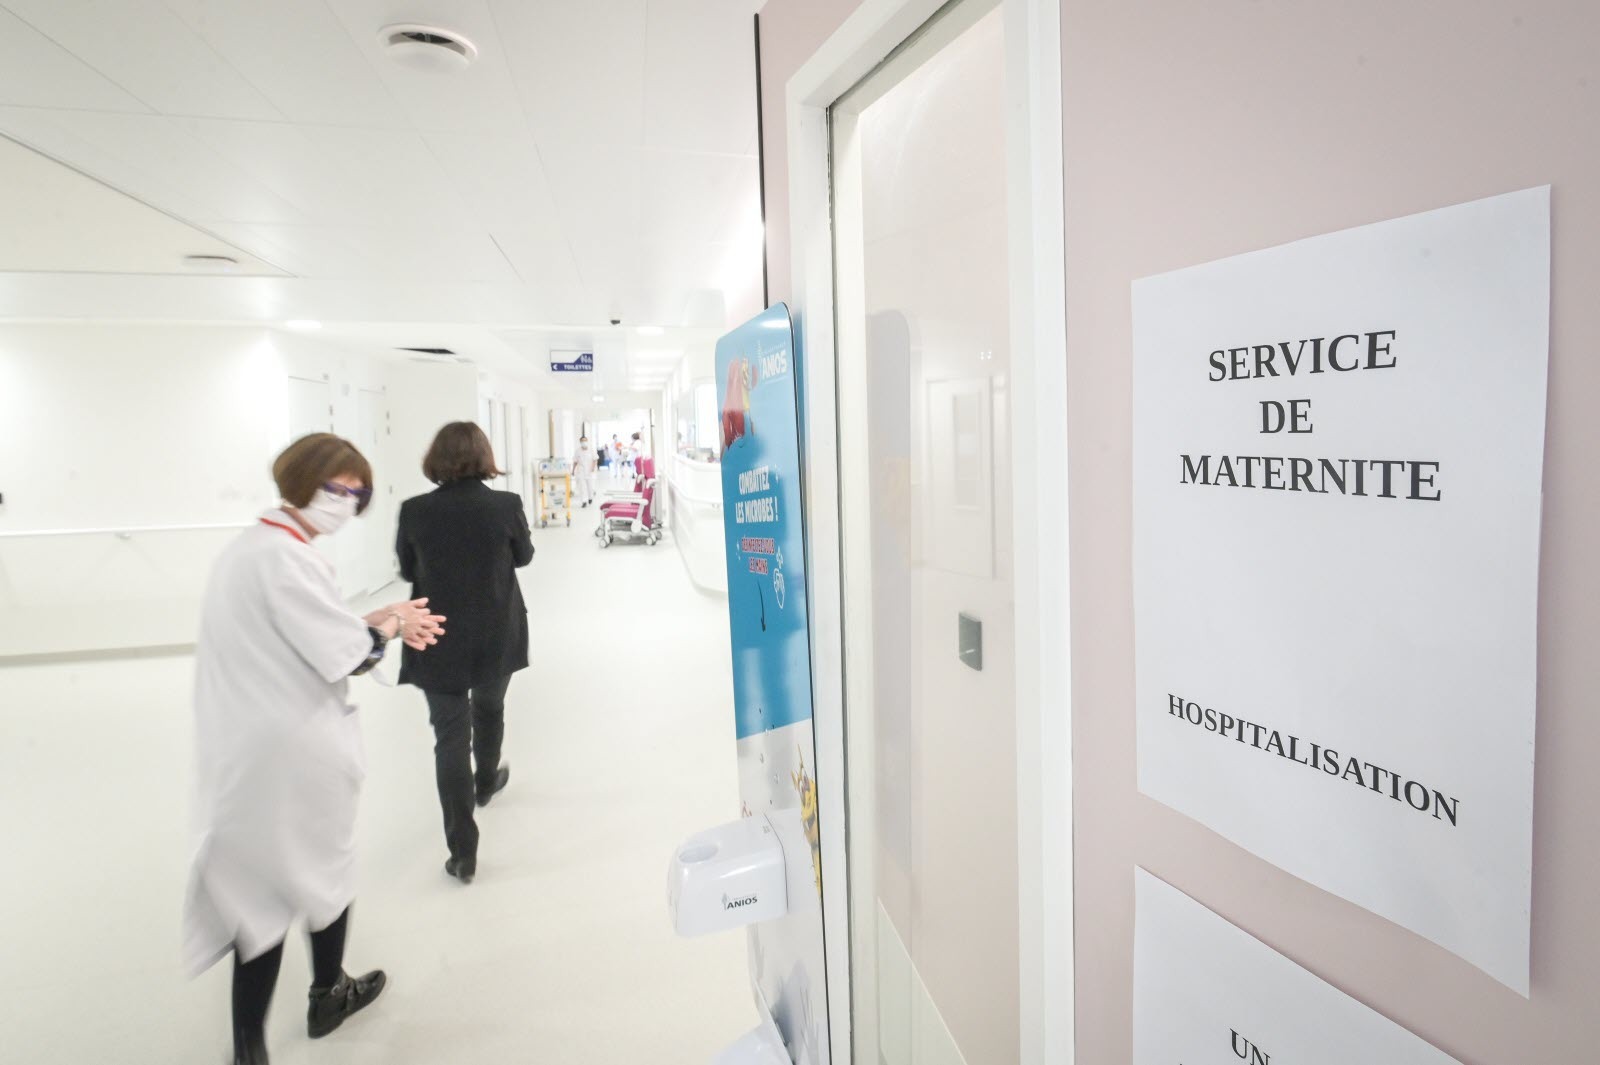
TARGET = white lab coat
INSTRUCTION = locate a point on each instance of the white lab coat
(584, 464)
(279, 754)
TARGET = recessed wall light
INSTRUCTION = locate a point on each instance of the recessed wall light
(302, 325)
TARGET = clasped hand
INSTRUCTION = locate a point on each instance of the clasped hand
(418, 628)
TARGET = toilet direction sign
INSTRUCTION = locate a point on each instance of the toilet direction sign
(572, 362)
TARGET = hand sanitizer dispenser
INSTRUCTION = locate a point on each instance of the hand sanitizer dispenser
(727, 877)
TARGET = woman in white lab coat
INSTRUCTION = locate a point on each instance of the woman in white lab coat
(279, 756)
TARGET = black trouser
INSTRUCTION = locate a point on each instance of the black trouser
(254, 980)
(467, 727)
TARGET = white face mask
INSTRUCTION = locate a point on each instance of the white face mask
(327, 513)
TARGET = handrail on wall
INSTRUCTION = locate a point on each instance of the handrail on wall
(121, 531)
(694, 497)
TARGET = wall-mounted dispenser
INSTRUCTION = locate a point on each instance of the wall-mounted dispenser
(727, 877)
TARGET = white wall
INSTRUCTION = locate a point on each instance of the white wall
(692, 502)
(108, 425)
(120, 428)
(424, 396)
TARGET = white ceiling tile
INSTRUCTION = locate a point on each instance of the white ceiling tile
(298, 55)
(598, 190)
(537, 259)
(407, 253)
(579, 67)
(314, 252)
(689, 196)
(54, 219)
(503, 185)
(148, 51)
(154, 159)
(37, 72)
(610, 269)
(340, 176)
(394, 175)
(281, 157)
(700, 73)
(421, 250)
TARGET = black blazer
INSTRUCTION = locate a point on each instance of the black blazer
(460, 545)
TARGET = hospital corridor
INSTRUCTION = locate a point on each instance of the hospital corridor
(799, 532)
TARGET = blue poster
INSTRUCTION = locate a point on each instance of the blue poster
(758, 399)
(757, 396)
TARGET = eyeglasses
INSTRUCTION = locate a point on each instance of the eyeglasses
(360, 495)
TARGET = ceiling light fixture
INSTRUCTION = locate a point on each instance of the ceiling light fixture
(302, 325)
(431, 48)
(650, 330)
(211, 264)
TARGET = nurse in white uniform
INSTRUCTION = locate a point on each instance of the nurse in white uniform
(278, 746)
(584, 464)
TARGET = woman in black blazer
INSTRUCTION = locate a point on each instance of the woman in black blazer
(460, 545)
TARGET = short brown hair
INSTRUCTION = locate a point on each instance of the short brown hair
(314, 460)
(459, 452)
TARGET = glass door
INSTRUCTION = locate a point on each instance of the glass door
(923, 304)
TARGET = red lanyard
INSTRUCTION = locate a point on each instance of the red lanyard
(291, 530)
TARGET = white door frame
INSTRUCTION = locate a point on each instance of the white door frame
(1039, 449)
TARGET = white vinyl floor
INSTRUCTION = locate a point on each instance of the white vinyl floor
(620, 742)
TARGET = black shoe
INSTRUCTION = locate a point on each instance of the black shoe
(330, 1007)
(461, 870)
(501, 776)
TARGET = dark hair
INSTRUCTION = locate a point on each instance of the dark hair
(312, 461)
(460, 452)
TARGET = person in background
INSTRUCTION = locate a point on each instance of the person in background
(460, 547)
(278, 748)
(636, 451)
(584, 464)
(618, 454)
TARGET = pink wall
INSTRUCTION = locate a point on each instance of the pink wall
(1197, 131)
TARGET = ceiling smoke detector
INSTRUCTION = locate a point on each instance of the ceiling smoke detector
(427, 47)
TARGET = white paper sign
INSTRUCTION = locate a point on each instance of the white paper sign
(1206, 993)
(1337, 459)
